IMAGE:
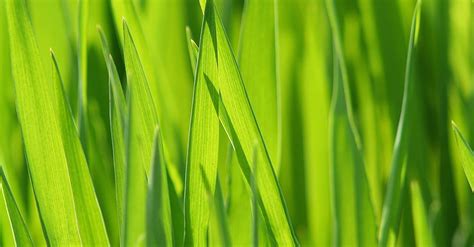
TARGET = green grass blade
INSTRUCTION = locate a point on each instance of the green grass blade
(203, 143)
(18, 224)
(118, 112)
(466, 154)
(237, 118)
(423, 233)
(354, 219)
(159, 219)
(193, 49)
(47, 124)
(140, 131)
(258, 66)
(396, 188)
(82, 63)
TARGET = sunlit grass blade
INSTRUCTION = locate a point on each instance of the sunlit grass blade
(117, 117)
(423, 232)
(159, 221)
(237, 118)
(466, 155)
(203, 143)
(139, 138)
(70, 212)
(396, 188)
(354, 219)
(18, 224)
(258, 63)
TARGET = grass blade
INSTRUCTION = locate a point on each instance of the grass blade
(238, 119)
(203, 143)
(159, 219)
(140, 131)
(423, 234)
(18, 224)
(259, 72)
(47, 123)
(396, 188)
(354, 219)
(118, 112)
(466, 154)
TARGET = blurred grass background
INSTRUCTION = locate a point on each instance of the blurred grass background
(375, 37)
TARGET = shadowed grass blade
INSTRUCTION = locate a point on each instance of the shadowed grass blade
(396, 188)
(423, 233)
(159, 219)
(118, 113)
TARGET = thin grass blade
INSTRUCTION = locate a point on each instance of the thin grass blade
(18, 224)
(466, 155)
(423, 232)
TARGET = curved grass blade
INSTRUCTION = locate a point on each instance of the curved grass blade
(258, 60)
(139, 136)
(238, 120)
(18, 224)
(118, 113)
(396, 188)
(203, 143)
(193, 49)
(466, 155)
(159, 219)
(47, 124)
(423, 233)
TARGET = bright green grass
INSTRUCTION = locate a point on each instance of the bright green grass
(236, 123)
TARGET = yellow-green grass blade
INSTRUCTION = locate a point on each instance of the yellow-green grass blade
(466, 154)
(238, 120)
(18, 224)
(117, 117)
(396, 187)
(139, 138)
(423, 232)
(258, 63)
(203, 142)
(218, 225)
(89, 216)
(159, 220)
(354, 219)
(160, 90)
(70, 212)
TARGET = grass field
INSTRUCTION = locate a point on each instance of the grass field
(236, 123)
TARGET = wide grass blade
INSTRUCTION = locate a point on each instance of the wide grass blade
(203, 142)
(260, 72)
(159, 220)
(238, 120)
(396, 188)
(423, 233)
(139, 138)
(466, 155)
(64, 192)
(18, 224)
